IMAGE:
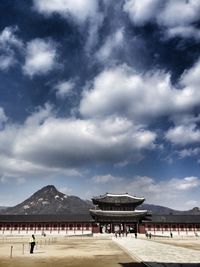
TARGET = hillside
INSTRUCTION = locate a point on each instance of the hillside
(49, 200)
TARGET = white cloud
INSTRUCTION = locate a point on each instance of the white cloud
(10, 44)
(80, 10)
(112, 43)
(184, 32)
(46, 145)
(104, 179)
(8, 38)
(176, 17)
(73, 142)
(40, 57)
(141, 12)
(191, 78)
(183, 134)
(189, 152)
(64, 88)
(39, 116)
(186, 183)
(120, 90)
(178, 13)
(6, 61)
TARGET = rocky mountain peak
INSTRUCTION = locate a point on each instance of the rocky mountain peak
(48, 191)
(48, 200)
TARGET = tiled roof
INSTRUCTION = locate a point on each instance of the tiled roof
(47, 218)
(175, 218)
(109, 198)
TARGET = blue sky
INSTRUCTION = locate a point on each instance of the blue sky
(100, 96)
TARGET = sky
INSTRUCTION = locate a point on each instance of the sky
(100, 96)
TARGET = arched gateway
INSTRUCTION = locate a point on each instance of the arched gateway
(117, 213)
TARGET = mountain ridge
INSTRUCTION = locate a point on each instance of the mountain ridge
(48, 200)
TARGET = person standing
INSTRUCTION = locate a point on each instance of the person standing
(32, 243)
(135, 234)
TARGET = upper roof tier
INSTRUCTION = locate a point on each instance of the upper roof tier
(117, 199)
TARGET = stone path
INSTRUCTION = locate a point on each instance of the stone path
(155, 254)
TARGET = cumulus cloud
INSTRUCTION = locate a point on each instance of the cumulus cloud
(176, 17)
(141, 12)
(73, 142)
(80, 10)
(46, 145)
(64, 88)
(183, 134)
(40, 57)
(178, 13)
(120, 90)
(10, 45)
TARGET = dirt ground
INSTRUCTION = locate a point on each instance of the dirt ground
(64, 252)
(191, 243)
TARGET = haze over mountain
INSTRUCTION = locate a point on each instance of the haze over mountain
(49, 200)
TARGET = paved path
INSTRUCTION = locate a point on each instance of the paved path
(155, 254)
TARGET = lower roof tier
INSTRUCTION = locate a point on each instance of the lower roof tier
(119, 216)
(117, 213)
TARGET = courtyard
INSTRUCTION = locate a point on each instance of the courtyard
(64, 251)
(100, 251)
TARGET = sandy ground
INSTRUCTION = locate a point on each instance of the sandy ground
(61, 252)
(191, 243)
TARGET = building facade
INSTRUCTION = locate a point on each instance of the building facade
(117, 212)
(66, 224)
(163, 225)
(112, 213)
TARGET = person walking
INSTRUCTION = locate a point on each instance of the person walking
(32, 243)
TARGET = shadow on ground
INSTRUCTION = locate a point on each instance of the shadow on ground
(159, 264)
(132, 264)
(170, 264)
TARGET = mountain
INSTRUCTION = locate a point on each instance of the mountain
(156, 209)
(159, 210)
(49, 200)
